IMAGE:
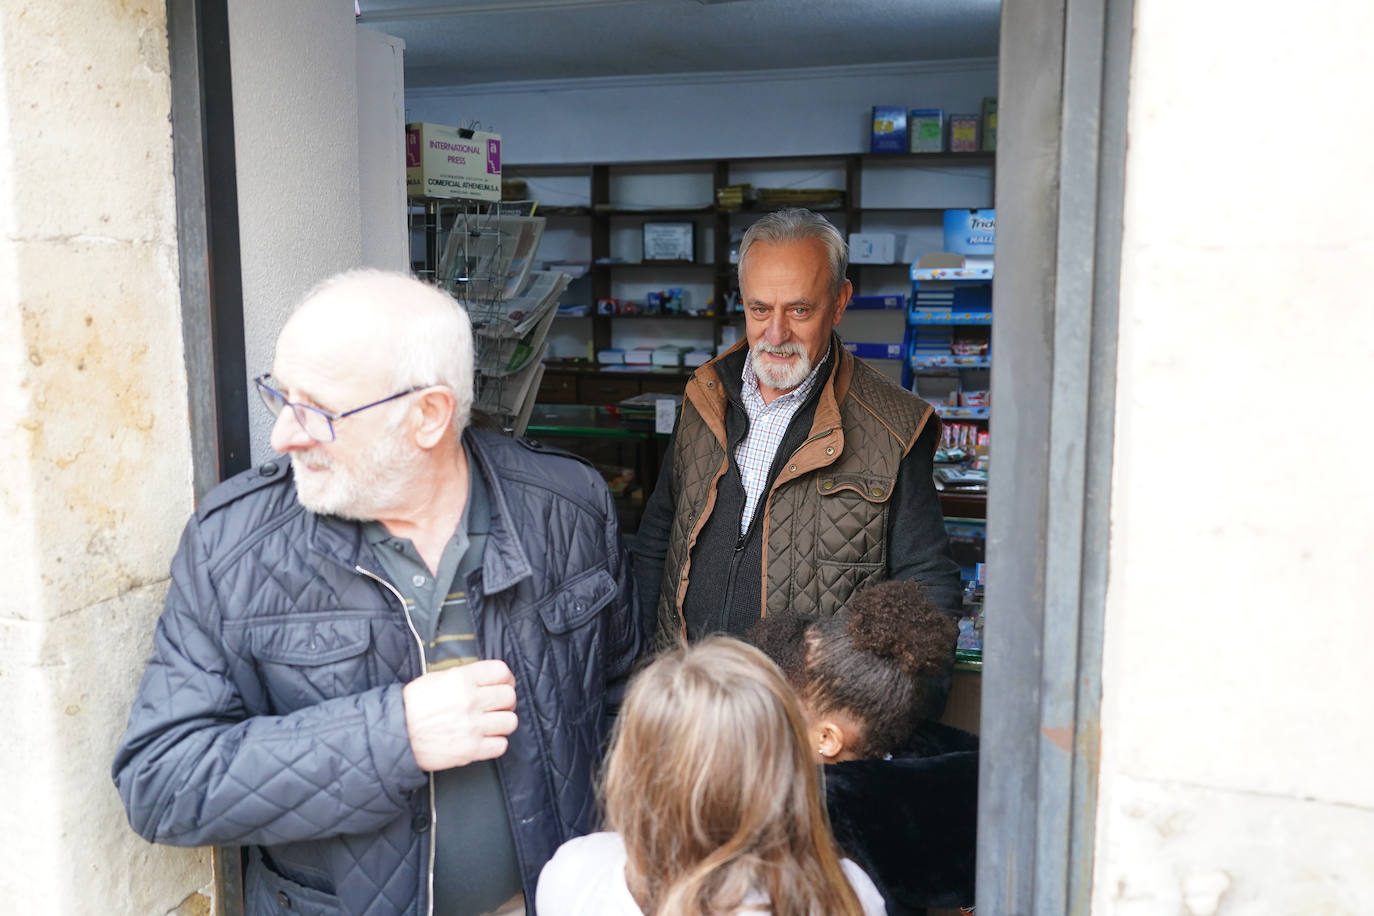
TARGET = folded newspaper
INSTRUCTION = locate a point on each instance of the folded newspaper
(489, 256)
(515, 317)
(497, 356)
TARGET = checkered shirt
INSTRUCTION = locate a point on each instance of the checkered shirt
(767, 424)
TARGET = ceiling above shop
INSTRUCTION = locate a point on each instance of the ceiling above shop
(465, 42)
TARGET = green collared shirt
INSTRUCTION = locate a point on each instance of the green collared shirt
(475, 863)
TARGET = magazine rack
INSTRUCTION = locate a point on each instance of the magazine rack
(486, 265)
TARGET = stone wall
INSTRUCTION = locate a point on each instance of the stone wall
(1237, 727)
(93, 442)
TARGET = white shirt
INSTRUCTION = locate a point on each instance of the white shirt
(767, 425)
(586, 877)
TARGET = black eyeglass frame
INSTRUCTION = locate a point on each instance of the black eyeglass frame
(271, 396)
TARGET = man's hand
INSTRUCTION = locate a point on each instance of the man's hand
(460, 715)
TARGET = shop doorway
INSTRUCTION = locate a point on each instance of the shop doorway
(1064, 69)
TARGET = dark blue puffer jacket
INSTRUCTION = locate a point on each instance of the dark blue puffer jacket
(270, 714)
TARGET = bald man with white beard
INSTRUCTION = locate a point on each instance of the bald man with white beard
(387, 657)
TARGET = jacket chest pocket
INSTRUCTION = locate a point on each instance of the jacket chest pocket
(851, 518)
(303, 662)
(573, 640)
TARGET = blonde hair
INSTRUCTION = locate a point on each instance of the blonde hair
(712, 787)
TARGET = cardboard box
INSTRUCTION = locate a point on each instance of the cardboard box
(453, 163)
(963, 133)
(886, 303)
(872, 247)
(889, 129)
(669, 355)
(990, 124)
(874, 350)
(927, 129)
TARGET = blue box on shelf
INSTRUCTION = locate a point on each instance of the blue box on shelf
(970, 231)
(886, 303)
(874, 350)
(889, 129)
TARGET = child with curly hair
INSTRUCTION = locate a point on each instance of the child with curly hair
(902, 791)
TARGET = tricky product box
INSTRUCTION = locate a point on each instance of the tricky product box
(971, 231)
(452, 162)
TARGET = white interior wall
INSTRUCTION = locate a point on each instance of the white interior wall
(381, 150)
(1237, 727)
(800, 112)
(296, 133)
(702, 116)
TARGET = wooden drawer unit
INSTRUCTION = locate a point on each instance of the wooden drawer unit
(605, 390)
(558, 388)
(663, 385)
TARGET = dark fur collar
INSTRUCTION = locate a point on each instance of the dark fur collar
(911, 821)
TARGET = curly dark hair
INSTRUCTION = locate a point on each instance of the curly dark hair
(870, 660)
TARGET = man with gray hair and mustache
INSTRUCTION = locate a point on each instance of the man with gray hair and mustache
(797, 473)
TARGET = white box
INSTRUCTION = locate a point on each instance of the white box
(872, 247)
(449, 162)
(669, 355)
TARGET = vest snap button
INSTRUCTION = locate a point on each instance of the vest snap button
(877, 491)
(830, 450)
(828, 485)
(792, 468)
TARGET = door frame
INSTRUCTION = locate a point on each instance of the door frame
(1064, 70)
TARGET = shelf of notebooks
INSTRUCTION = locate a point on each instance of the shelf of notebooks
(949, 361)
(935, 316)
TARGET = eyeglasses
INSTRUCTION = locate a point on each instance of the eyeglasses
(318, 424)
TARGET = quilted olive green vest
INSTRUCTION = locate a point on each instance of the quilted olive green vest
(825, 516)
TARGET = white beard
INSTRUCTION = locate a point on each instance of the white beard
(363, 493)
(783, 378)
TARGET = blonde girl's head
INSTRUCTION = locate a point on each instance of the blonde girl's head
(711, 785)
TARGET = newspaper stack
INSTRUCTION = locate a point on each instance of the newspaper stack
(487, 267)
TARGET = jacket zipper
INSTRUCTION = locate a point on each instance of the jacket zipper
(424, 669)
(761, 519)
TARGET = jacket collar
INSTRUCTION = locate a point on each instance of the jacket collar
(504, 563)
(711, 384)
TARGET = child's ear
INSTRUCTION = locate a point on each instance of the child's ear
(830, 740)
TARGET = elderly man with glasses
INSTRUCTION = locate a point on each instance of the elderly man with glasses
(386, 657)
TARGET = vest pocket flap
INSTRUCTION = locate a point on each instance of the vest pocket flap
(309, 642)
(578, 601)
(871, 487)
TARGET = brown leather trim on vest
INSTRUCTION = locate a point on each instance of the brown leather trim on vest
(699, 462)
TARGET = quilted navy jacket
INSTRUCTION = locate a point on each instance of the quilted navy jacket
(270, 714)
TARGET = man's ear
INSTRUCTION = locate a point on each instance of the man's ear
(842, 302)
(436, 416)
